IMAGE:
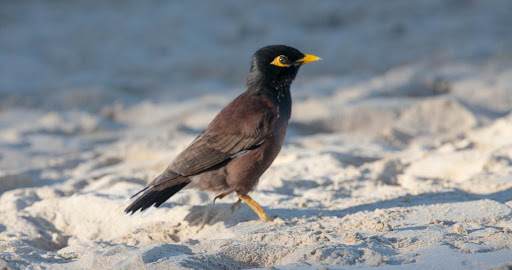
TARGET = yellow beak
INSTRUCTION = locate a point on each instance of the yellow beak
(308, 58)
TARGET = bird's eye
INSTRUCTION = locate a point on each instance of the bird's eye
(280, 61)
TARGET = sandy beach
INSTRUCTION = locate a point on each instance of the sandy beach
(398, 154)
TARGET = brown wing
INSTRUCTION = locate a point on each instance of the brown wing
(242, 125)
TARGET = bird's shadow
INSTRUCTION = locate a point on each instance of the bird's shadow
(201, 215)
(214, 213)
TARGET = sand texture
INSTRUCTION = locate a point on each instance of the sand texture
(398, 154)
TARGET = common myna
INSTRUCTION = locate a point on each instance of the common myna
(241, 142)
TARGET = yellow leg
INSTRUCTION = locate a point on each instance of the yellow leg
(255, 207)
(233, 207)
(220, 196)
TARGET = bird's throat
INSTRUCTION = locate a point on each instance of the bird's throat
(276, 89)
(279, 95)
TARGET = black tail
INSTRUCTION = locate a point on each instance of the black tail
(152, 196)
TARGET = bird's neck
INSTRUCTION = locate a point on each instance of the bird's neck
(260, 81)
(277, 91)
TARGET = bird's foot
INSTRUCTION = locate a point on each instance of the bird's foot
(266, 219)
(235, 205)
(260, 219)
(222, 195)
(255, 207)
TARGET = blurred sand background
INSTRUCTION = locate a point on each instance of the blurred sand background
(398, 155)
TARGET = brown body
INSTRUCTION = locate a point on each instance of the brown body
(252, 120)
(242, 173)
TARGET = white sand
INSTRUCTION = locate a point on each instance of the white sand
(399, 152)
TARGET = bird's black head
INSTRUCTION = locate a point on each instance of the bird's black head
(276, 66)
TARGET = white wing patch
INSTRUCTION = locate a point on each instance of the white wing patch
(239, 154)
(245, 151)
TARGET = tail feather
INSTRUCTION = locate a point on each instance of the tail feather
(142, 190)
(153, 197)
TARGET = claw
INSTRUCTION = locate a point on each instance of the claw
(222, 195)
(233, 207)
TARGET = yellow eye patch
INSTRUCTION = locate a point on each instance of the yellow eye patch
(281, 61)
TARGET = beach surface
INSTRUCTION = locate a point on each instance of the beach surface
(398, 153)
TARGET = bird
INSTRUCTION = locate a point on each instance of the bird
(241, 142)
